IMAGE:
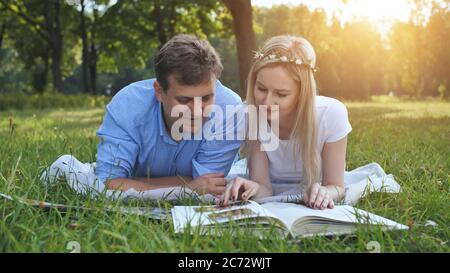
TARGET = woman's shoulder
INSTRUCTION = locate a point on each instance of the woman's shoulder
(328, 103)
(330, 110)
(327, 107)
(333, 118)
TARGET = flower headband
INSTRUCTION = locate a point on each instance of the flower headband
(275, 58)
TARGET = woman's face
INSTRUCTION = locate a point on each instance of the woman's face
(275, 86)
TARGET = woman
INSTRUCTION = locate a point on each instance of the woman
(312, 129)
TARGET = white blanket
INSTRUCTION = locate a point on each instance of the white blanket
(81, 178)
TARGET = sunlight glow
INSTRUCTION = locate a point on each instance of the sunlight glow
(382, 13)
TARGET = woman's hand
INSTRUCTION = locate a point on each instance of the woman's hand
(318, 197)
(240, 188)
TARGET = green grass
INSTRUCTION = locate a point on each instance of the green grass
(408, 139)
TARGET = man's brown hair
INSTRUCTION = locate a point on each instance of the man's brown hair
(190, 60)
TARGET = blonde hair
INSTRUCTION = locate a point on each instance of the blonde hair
(304, 132)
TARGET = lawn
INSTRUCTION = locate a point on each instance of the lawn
(408, 139)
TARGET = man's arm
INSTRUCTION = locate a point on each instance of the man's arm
(213, 183)
(144, 183)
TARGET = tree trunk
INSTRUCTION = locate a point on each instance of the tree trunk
(2, 25)
(171, 27)
(93, 55)
(85, 50)
(162, 37)
(53, 24)
(93, 68)
(241, 10)
(40, 79)
(2, 34)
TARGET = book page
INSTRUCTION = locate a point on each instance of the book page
(211, 215)
(290, 213)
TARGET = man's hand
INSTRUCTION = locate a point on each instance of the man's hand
(213, 183)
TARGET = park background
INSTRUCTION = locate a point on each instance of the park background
(364, 49)
(62, 60)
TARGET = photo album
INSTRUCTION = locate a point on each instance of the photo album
(290, 219)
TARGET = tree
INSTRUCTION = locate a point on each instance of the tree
(87, 30)
(360, 61)
(3, 23)
(53, 26)
(47, 26)
(2, 33)
(30, 58)
(241, 10)
(85, 50)
(437, 35)
(131, 32)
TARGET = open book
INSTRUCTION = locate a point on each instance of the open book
(291, 219)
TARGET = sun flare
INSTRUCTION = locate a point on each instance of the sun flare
(382, 13)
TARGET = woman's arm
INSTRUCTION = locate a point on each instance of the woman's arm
(333, 166)
(259, 169)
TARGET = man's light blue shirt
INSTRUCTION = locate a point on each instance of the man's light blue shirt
(134, 141)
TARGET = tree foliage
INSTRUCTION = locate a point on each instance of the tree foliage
(98, 46)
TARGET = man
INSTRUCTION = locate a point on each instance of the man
(137, 147)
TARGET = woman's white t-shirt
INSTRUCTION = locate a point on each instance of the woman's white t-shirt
(333, 125)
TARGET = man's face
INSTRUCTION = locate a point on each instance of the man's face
(191, 100)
